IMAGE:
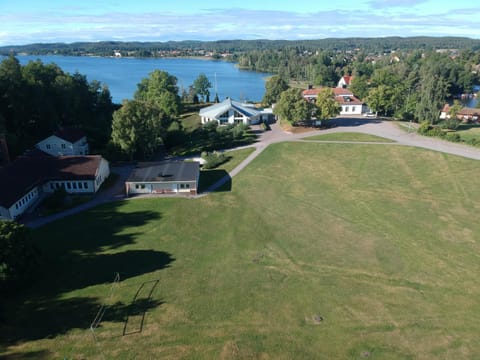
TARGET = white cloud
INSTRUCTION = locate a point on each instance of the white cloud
(236, 23)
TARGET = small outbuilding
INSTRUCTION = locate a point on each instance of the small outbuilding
(166, 177)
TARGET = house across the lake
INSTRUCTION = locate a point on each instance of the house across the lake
(232, 112)
(25, 181)
(166, 177)
(66, 141)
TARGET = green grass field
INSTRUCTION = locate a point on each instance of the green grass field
(468, 132)
(319, 251)
(348, 136)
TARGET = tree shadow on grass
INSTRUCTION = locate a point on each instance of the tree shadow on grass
(76, 253)
(30, 355)
(216, 180)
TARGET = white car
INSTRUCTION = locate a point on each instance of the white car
(370, 115)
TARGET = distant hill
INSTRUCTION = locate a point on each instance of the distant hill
(149, 49)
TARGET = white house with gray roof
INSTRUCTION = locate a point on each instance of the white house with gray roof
(233, 112)
(167, 177)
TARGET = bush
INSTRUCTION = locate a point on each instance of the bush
(435, 131)
(213, 159)
(473, 141)
(453, 137)
(424, 128)
(450, 124)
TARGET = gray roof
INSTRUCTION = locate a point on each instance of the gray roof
(166, 171)
(214, 111)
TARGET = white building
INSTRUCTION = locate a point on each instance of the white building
(167, 177)
(344, 82)
(232, 112)
(25, 181)
(67, 141)
(349, 103)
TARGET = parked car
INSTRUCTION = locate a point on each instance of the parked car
(370, 115)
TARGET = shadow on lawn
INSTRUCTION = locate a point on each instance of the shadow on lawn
(208, 178)
(79, 252)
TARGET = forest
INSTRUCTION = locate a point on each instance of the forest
(238, 47)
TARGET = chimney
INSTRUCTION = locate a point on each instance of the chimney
(5, 156)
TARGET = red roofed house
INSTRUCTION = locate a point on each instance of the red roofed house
(344, 82)
(465, 114)
(66, 141)
(25, 180)
(350, 104)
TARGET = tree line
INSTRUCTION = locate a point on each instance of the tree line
(152, 49)
(37, 99)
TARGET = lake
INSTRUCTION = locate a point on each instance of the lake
(122, 75)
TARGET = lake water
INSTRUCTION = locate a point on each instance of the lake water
(122, 75)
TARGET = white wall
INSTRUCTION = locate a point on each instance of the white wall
(351, 109)
(103, 173)
(71, 186)
(56, 146)
(22, 204)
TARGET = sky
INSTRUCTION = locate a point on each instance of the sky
(34, 21)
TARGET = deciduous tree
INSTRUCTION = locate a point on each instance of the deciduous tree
(17, 255)
(273, 89)
(202, 86)
(292, 107)
(326, 105)
(139, 128)
(160, 89)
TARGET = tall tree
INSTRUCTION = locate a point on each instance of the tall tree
(326, 105)
(292, 107)
(139, 128)
(160, 89)
(17, 255)
(202, 86)
(273, 89)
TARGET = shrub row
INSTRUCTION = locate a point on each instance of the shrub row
(213, 159)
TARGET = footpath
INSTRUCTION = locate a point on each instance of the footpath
(385, 129)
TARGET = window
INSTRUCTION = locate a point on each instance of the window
(57, 186)
(346, 108)
(85, 185)
(182, 186)
(48, 146)
(353, 108)
(187, 186)
(80, 185)
(74, 184)
(51, 186)
(69, 185)
(64, 146)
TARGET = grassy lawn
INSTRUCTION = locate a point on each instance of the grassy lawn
(320, 251)
(210, 177)
(349, 136)
(468, 132)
